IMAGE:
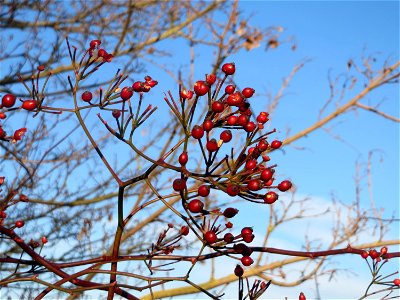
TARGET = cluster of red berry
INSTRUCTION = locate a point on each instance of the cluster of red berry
(96, 52)
(244, 176)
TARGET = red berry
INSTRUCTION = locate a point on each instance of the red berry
(232, 120)
(246, 261)
(212, 145)
(250, 127)
(210, 79)
(276, 144)
(248, 238)
(201, 88)
(232, 190)
(126, 93)
(270, 197)
(246, 231)
(228, 237)
(18, 134)
(195, 206)
(234, 99)
(238, 271)
(266, 174)
(183, 158)
(3, 214)
(373, 253)
(44, 240)
(248, 92)
(210, 237)
(262, 145)
(184, 230)
(95, 44)
(396, 281)
(203, 190)
(242, 120)
(151, 83)
(40, 68)
(384, 250)
(179, 184)
(254, 185)
(86, 96)
(284, 185)
(116, 113)
(302, 296)
(230, 212)
(364, 254)
(8, 100)
(251, 164)
(218, 106)
(197, 132)
(230, 89)
(228, 68)
(19, 223)
(208, 125)
(2, 116)
(262, 117)
(229, 225)
(137, 86)
(186, 94)
(29, 105)
(102, 53)
(226, 136)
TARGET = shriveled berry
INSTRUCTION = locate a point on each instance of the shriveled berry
(18, 134)
(270, 197)
(201, 88)
(185, 94)
(228, 68)
(232, 190)
(226, 136)
(210, 237)
(197, 132)
(228, 237)
(248, 92)
(95, 44)
(179, 184)
(217, 106)
(284, 185)
(86, 96)
(203, 190)
(230, 212)
(8, 100)
(276, 144)
(229, 225)
(238, 271)
(183, 158)
(246, 261)
(116, 113)
(126, 93)
(195, 206)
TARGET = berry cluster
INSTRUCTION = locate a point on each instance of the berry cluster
(247, 174)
